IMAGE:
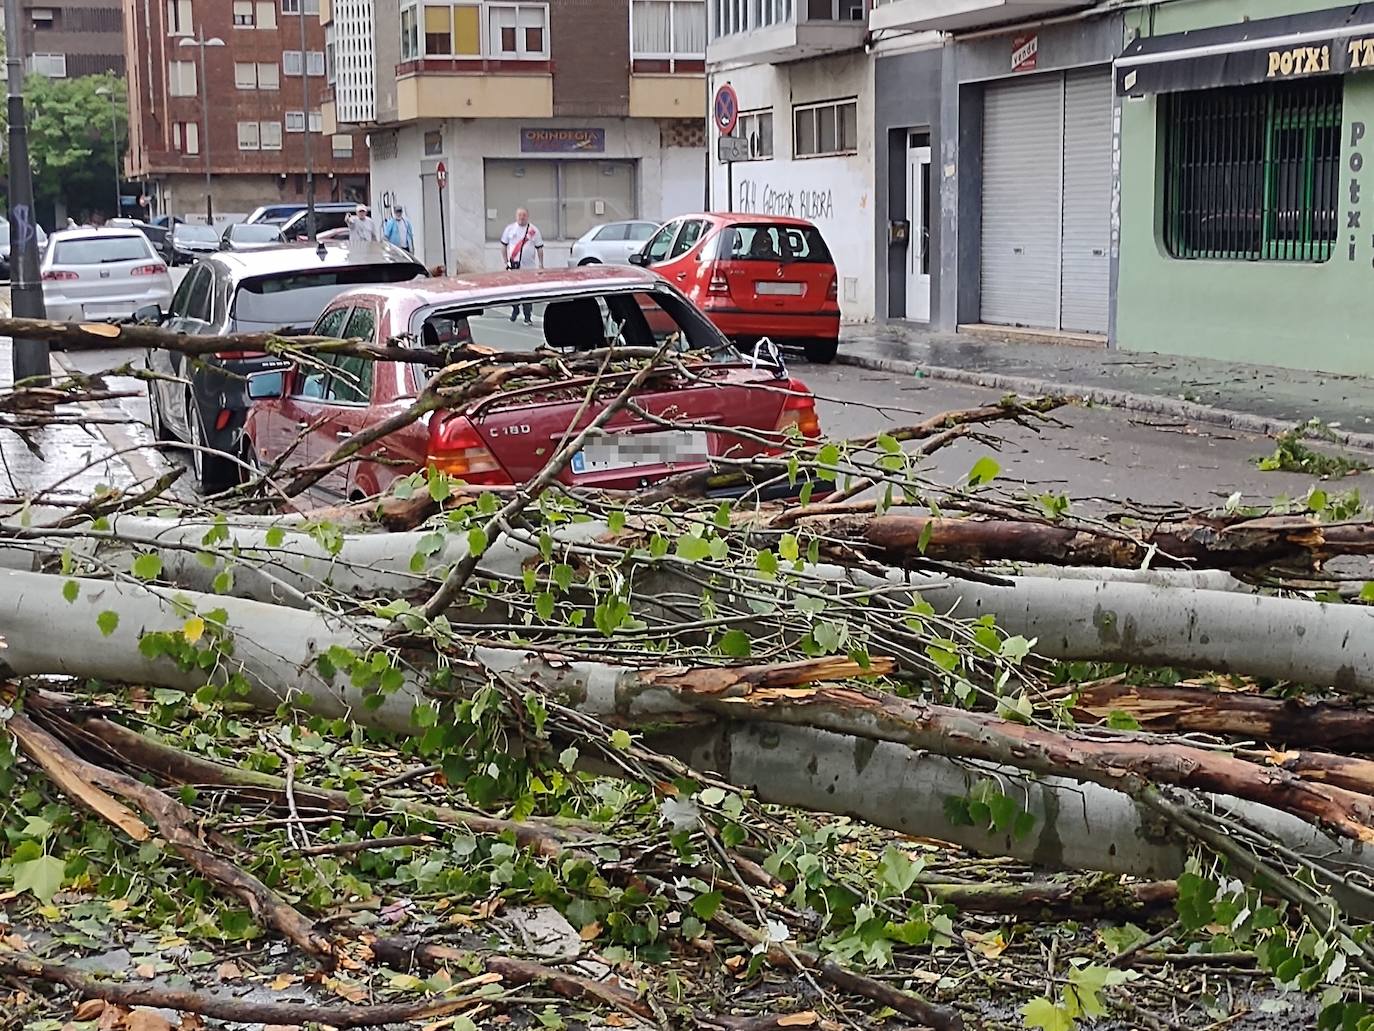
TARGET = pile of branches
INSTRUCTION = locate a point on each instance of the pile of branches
(718, 737)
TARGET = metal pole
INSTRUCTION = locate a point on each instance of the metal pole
(114, 132)
(30, 357)
(309, 147)
(204, 131)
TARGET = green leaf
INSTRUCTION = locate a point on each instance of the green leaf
(1014, 649)
(1317, 500)
(543, 605)
(620, 740)
(927, 532)
(692, 548)
(615, 520)
(1367, 593)
(148, 567)
(439, 488)
(477, 541)
(984, 470)
(276, 537)
(71, 590)
(1118, 719)
(223, 583)
(108, 622)
(563, 576)
(722, 516)
(41, 876)
(1042, 1013)
(767, 564)
(735, 643)
(788, 548)
(706, 905)
(568, 757)
(889, 443)
(897, 870)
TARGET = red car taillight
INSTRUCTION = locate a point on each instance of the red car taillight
(149, 270)
(59, 277)
(456, 449)
(718, 284)
(833, 293)
(799, 410)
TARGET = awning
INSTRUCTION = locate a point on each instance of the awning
(1298, 46)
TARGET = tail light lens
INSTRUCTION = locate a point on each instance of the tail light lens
(456, 449)
(59, 277)
(718, 284)
(239, 354)
(799, 411)
(149, 270)
(833, 293)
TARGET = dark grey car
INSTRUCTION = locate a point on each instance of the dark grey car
(282, 289)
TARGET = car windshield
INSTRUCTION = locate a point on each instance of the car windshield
(641, 318)
(101, 250)
(295, 299)
(256, 233)
(200, 234)
(763, 242)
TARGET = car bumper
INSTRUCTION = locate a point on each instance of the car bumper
(61, 308)
(735, 323)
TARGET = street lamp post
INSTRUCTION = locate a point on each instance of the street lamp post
(201, 42)
(105, 91)
(309, 148)
(30, 357)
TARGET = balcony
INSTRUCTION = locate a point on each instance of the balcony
(473, 88)
(774, 31)
(962, 15)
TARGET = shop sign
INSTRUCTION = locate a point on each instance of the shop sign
(562, 141)
(1024, 51)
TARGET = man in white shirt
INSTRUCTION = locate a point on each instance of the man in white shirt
(361, 228)
(523, 242)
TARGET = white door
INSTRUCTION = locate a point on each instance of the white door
(918, 247)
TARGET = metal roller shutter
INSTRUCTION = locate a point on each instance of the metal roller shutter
(1087, 200)
(1023, 153)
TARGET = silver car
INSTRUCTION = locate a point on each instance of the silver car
(102, 274)
(612, 243)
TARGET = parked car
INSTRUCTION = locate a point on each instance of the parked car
(333, 234)
(754, 276)
(244, 237)
(612, 243)
(507, 439)
(187, 243)
(5, 245)
(327, 217)
(101, 274)
(157, 236)
(273, 214)
(283, 289)
(167, 221)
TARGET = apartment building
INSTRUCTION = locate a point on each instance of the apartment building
(245, 118)
(582, 111)
(69, 38)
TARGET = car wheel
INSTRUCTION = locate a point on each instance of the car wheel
(252, 467)
(213, 473)
(822, 351)
(159, 427)
(590, 261)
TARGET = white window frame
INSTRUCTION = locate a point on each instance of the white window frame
(51, 66)
(799, 110)
(316, 121)
(337, 150)
(673, 52)
(269, 76)
(751, 119)
(294, 6)
(487, 43)
(314, 63)
(416, 11)
(177, 77)
(287, 57)
(186, 137)
(245, 75)
(520, 53)
(243, 9)
(269, 135)
(265, 15)
(249, 136)
(179, 18)
(295, 121)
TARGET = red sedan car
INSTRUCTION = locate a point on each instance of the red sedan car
(754, 276)
(508, 439)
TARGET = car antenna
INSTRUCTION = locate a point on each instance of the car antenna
(320, 251)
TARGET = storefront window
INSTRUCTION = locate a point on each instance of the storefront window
(564, 198)
(1251, 173)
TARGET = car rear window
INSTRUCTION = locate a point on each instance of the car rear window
(763, 242)
(295, 299)
(101, 250)
(641, 230)
(256, 233)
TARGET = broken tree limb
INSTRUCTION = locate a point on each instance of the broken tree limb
(1342, 771)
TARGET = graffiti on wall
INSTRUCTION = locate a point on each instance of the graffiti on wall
(765, 199)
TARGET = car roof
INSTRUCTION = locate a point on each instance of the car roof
(305, 257)
(111, 232)
(485, 289)
(728, 217)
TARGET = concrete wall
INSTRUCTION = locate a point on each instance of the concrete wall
(684, 178)
(906, 92)
(968, 66)
(836, 193)
(1302, 315)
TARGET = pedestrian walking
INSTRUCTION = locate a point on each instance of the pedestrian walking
(361, 228)
(398, 230)
(519, 238)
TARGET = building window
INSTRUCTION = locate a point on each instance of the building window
(181, 78)
(294, 6)
(434, 143)
(314, 62)
(243, 14)
(343, 146)
(186, 137)
(330, 67)
(295, 121)
(829, 128)
(317, 122)
(267, 14)
(1251, 173)
(269, 135)
(564, 198)
(410, 33)
(453, 30)
(269, 76)
(518, 31)
(668, 28)
(249, 138)
(291, 63)
(757, 128)
(54, 66)
(179, 18)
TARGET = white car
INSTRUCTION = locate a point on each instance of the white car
(102, 274)
(612, 243)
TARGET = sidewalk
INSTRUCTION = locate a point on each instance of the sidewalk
(1255, 398)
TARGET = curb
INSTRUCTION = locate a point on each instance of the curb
(1151, 403)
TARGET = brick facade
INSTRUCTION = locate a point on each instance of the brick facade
(590, 47)
(88, 33)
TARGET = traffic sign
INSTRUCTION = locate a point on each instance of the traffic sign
(732, 148)
(441, 175)
(725, 109)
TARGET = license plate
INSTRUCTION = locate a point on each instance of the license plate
(629, 450)
(778, 289)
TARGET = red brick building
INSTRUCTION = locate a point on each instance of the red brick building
(257, 117)
(67, 38)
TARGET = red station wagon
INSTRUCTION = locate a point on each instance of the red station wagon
(754, 276)
(508, 438)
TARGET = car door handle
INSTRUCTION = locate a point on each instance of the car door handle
(681, 276)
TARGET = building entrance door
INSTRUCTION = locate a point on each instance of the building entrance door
(918, 211)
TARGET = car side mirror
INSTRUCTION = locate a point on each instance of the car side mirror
(639, 258)
(149, 315)
(265, 386)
